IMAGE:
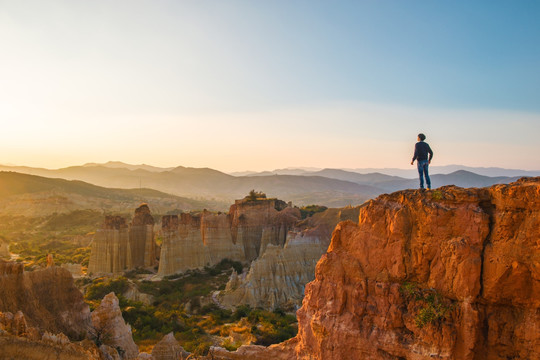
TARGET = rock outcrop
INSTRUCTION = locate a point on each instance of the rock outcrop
(50, 347)
(279, 276)
(141, 238)
(257, 223)
(111, 330)
(117, 247)
(169, 349)
(478, 248)
(47, 297)
(446, 274)
(110, 247)
(183, 247)
(37, 310)
(195, 241)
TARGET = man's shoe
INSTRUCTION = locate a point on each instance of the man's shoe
(429, 188)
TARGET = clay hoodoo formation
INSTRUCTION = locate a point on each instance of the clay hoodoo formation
(446, 274)
(257, 223)
(195, 241)
(141, 238)
(169, 349)
(117, 247)
(182, 247)
(48, 299)
(278, 277)
(110, 329)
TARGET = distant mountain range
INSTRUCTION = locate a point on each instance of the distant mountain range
(406, 173)
(30, 195)
(330, 187)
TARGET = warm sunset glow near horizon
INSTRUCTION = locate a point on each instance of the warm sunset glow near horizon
(259, 85)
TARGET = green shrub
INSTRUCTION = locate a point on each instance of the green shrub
(255, 195)
(310, 210)
(101, 287)
(436, 195)
(433, 306)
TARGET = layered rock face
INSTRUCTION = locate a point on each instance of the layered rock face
(111, 330)
(218, 239)
(257, 223)
(278, 277)
(182, 247)
(478, 248)
(18, 340)
(109, 252)
(48, 298)
(141, 238)
(117, 247)
(195, 241)
(446, 274)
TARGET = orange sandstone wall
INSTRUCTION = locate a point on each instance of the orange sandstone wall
(478, 248)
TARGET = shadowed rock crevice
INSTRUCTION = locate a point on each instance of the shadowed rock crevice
(489, 208)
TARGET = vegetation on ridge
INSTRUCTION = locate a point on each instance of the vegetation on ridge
(255, 195)
(310, 210)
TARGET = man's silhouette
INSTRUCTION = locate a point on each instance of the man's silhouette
(421, 151)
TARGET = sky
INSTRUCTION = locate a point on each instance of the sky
(258, 85)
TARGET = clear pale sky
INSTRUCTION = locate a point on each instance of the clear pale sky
(259, 85)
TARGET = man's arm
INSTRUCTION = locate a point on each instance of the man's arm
(415, 153)
(430, 153)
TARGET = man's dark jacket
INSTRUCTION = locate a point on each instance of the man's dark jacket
(421, 151)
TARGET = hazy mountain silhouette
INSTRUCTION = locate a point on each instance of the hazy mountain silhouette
(410, 173)
(23, 194)
(209, 183)
(119, 164)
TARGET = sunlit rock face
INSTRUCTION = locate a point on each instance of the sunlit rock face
(195, 241)
(110, 329)
(118, 247)
(141, 239)
(217, 237)
(182, 247)
(279, 276)
(37, 310)
(48, 299)
(476, 248)
(257, 223)
(109, 252)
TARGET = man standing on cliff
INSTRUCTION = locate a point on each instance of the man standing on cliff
(421, 151)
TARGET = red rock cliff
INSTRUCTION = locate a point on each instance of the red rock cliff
(478, 248)
(446, 274)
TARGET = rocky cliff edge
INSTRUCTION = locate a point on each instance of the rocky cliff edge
(447, 274)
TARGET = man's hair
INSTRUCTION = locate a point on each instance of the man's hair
(422, 137)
